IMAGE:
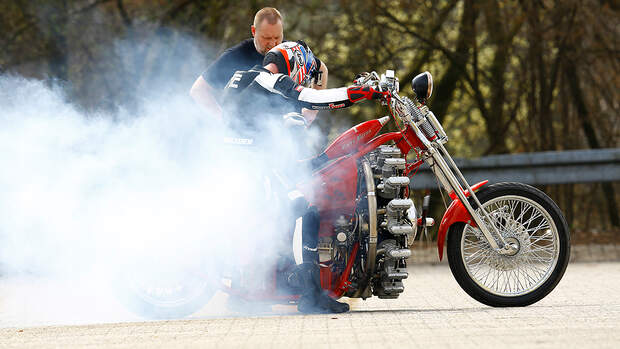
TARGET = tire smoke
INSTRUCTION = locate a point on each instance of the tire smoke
(147, 192)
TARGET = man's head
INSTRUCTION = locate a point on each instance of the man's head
(267, 29)
(294, 59)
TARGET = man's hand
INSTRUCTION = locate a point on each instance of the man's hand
(202, 93)
(357, 93)
(294, 120)
(309, 114)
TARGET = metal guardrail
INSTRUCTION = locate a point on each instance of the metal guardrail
(554, 167)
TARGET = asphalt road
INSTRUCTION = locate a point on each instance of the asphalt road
(582, 312)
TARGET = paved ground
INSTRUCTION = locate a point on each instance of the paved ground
(582, 312)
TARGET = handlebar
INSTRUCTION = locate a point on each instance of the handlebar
(405, 111)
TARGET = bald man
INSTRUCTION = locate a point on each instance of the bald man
(267, 32)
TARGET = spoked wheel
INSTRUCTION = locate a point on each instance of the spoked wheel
(168, 293)
(526, 218)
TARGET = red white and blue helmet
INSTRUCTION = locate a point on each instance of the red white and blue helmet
(294, 59)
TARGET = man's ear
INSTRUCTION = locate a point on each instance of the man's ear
(253, 28)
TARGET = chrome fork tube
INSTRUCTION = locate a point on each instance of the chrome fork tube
(455, 186)
(463, 180)
(507, 248)
(439, 174)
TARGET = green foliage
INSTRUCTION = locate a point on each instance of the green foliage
(510, 76)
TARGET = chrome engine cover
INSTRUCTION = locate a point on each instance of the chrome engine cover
(398, 221)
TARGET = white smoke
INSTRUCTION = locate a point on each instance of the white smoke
(154, 191)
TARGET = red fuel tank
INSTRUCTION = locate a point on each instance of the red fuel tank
(356, 136)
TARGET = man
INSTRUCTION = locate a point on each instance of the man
(260, 96)
(267, 32)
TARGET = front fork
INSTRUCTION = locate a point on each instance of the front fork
(449, 175)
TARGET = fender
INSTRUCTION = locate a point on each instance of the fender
(456, 212)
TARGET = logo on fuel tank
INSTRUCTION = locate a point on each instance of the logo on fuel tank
(363, 135)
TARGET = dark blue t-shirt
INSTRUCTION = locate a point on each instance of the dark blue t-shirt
(242, 56)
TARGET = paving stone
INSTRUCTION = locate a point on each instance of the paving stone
(582, 312)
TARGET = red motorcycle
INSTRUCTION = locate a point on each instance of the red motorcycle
(508, 244)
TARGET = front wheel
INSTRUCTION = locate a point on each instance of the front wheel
(527, 218)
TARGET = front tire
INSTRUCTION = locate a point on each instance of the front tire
(526, 217)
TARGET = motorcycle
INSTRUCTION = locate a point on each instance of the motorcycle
(508, 244)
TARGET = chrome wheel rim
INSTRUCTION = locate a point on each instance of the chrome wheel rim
(172, 294)
(522, 222)
(168, 287)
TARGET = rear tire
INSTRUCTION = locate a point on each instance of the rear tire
(164, 294)
(525, 216)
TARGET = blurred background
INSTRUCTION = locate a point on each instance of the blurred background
(510, 77)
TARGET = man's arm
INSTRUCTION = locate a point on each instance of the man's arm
(333, 98)
(310, 115)
(323, 74)
(202, 93)
(210, 83)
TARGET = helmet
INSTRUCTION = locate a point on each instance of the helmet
(294, 59)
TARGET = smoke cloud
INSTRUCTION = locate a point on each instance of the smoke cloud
(89, 200)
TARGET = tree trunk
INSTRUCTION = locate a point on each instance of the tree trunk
(448, 82)
(588, 130)
(495, 119)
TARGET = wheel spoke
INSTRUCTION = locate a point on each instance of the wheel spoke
(532, 218)
(519, 284)
(545, 235)
(525, 222)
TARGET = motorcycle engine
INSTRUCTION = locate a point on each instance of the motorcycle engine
(396, 228)
(397, 219)
(336, 248)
